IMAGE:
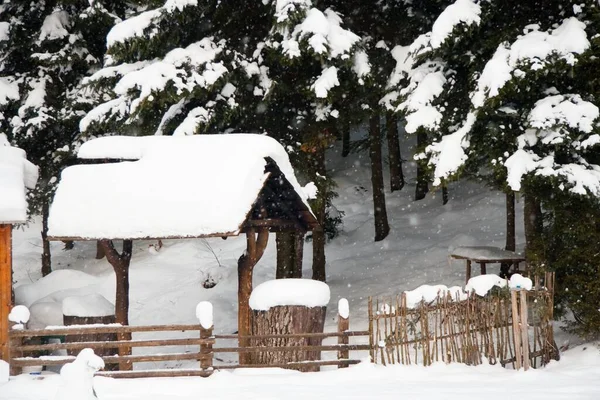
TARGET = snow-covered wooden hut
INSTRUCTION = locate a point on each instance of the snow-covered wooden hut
(16, 175)
(180, 187)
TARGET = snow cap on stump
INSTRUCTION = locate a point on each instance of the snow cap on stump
(91, 305)
(289, 292)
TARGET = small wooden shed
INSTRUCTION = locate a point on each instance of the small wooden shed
(16, 175)
(165, 187)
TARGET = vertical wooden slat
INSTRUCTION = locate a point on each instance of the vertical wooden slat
(371, 333)
(524, 329)
(516, 330)
(5, 288)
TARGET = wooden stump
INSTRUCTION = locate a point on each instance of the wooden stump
(283, 320)
(94, 337)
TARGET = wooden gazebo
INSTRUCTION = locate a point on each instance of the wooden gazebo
(16, 174)
(156, 187)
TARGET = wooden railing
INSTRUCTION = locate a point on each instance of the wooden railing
(27, 350)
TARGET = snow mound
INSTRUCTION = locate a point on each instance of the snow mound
(343, 308)
(204, 313)
(482, 284)
(518, 281)
(289, 292)
(77, 377)
(4, 371)
(91, 305)
(16, 174)
(19, 315)
(59, 280)
(429, 293)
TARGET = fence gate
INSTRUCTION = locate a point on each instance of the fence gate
(510, 327)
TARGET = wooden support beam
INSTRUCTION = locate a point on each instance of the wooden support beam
(5, 288)
(255, 247)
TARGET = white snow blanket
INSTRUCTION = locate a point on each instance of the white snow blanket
(187, 186)
(289, 292)
(16, 174)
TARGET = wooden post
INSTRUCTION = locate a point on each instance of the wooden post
(5, 288)
(120, 264)
(343, 326)
(204, 312)
(524, 329)
(372, 341)
(516, 330)
(14, 342)
(468, 270)
(255, 247)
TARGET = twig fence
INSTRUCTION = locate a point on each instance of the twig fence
(26, 350)
(510, 327)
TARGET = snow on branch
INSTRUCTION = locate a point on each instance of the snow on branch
(532, 49)
(460, 12)
(323, 33)
(425, 85)
(140, 25)
(182, 69)
(550, 123)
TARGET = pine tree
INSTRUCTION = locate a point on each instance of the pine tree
(47, 48)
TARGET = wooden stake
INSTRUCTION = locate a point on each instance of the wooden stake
(524, 329)
(5, 288)
(516, 330)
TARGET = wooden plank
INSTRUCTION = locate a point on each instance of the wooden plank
(26, 361)
(292, 364)
(5, 288)
(116, 343)
(291, 335)
(286, 349)
(81, 330)
(171, 373)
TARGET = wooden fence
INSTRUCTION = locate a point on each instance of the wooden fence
(509, 326)
(203, 347)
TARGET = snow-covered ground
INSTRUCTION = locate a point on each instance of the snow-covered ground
(576, 376)
(168, 283)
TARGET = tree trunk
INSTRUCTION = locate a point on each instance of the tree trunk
(382, 228)
(120, 264)
(396, 173)
(283, 320)
(422, 187)
(46, 256)
(319, 208)
(255, 247)
(99, 251)
(444, 194)
(287, 254)
(345, 138)
(533, 226)
(511, 238)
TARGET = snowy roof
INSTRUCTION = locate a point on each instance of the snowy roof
(16, 174)
(172, 187)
